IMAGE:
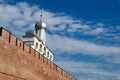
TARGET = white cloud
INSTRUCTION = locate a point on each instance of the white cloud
(95, 31)
(1, 0)
(21, 17)
(21, 14)
(8, 14)
(14, 17)
(19, 23)
(53, 20)
(65, 44)
(115, 59)
(100, 25)
(28, 11)
(92, 70)
(75, 27)
(6, 1)
(59, 27)
(118, 27)
(24, 13)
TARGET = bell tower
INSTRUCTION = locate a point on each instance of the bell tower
(37, 39)
(40, 29)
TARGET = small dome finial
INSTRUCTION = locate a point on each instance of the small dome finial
(41, 24)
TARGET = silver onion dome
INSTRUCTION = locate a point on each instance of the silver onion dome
(40, 25)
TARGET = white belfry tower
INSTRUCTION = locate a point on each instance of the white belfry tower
(40, 28)
(37, 39)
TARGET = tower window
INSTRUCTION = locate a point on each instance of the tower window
(40, 48)
(36, 46)
(50, 57)
(44, 51)
(48, 54)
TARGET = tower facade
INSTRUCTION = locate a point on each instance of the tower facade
(37, 39)
(40, 28)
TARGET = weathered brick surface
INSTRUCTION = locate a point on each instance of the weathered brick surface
(4, 76)
(20, 62)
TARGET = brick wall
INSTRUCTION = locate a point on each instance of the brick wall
(4, 76)
(19, 61)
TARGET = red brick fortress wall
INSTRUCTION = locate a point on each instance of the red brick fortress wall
(19, 61)
(4, 76)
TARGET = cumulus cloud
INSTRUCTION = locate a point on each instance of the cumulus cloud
(66, 44)
(95, 31)
(16, 17)
(19, 23)
(24, 13)
(77, 27)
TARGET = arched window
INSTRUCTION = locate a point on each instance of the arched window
(50, 57)
(44, 53)
(40, 48)
(36, 45)
(48, 54)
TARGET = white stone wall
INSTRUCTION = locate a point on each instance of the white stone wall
(39, 46)
(42, 50)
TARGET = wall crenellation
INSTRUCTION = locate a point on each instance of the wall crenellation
(14, 41)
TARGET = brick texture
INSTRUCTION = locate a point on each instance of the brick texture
(18, 61)
(4, 76)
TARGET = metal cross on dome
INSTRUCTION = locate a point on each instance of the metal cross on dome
(41, 15)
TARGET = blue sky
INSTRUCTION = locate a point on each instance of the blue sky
(83, 34)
